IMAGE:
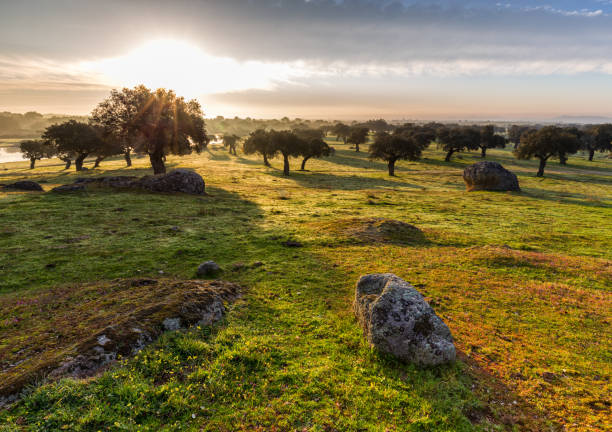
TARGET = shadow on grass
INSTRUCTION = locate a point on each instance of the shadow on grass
(218, 155)
(292, 319)
(564, 197)
(319, 180)
(254, 162)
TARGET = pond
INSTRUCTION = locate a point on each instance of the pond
(10, 154)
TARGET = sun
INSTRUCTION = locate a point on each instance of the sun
(190, 71)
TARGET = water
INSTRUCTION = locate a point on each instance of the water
(10, 154)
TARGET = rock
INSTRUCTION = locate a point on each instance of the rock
(292, 244)
(179, 180)
(75, 187)
(489, 176)
(26, 185)
(208, 268)
(176, 305)
(397, 320)
(238, 266)
(171, 324)
(120, 182)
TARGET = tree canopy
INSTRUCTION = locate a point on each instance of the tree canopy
(73, 139)
(342, 131)
(454, 139)
(258, 141)
(313, 145)
(598, 138)
(35, 150)
(550, 141)
(406, 143)
(156, 123)
(515, 132)
(358, 135)
(230, 141)
(489, 139)
(288, 144)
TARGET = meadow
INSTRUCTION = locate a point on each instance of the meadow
(523, 281)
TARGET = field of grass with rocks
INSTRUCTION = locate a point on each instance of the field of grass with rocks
(522, 279)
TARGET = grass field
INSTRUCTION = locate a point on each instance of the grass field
(523, 280)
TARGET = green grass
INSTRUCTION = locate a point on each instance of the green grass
(522, 279)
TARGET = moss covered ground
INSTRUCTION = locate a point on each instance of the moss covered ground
(522, 279)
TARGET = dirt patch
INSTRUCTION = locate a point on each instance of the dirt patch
(373, 230)
(76, 330)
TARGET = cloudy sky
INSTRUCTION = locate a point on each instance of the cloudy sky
(440, 59)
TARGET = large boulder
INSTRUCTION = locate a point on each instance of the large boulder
(397, 320)
(490, 176)
(179, 180)
(26, 185)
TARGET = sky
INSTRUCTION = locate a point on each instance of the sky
(334, 59)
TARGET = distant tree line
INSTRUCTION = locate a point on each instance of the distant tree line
(30, 124)
(157, 123)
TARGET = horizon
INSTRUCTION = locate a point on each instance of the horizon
(354, 59)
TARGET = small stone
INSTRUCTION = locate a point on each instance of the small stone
(103, 340)
(26, 185)
(76, 187)
(257, 264)
(170, 324)
(238, 266)
(292, 244)
(208, 268)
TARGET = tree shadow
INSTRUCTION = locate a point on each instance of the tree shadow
(253, 162)
(319, 180)
(361, 160)
(571, 198)
(218, 156)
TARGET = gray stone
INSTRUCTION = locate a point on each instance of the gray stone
(179, 180)
(212, 313)
(26, 185)
(75, 187)
(397, 320)
(208, 268)
(171, 324)
(489, 176)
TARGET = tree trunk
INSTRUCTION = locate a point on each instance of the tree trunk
(98, 160)
(68, 162)
(591, 154)
(32, 163)
(391, 165)
(516, 145)
(541, 168)
(78, 162)
(563, 159)
(157, 162)
(285, 165)
(266, 161)
(483, 152)
(357, 148)
(448, 155)
(344, 139)
(128, 158)
(304, 163)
